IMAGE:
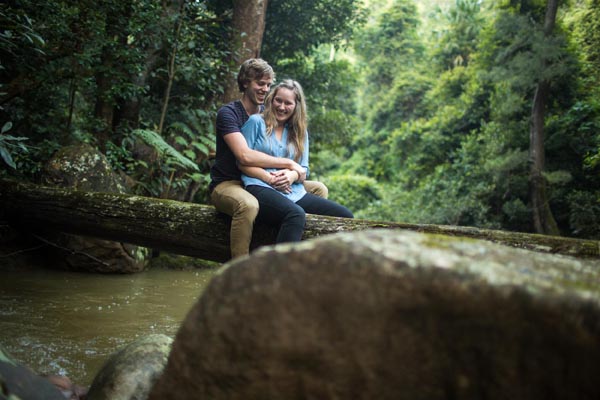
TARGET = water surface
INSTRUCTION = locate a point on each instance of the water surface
(68, 323)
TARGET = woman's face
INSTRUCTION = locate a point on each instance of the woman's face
(284, 104)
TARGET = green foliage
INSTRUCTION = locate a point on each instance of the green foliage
(403, 101)
(357, 192)
(171, 170)
(456, 35)
(170, 154)
(20, 41)
(584, 216)
(18, 37)
(10, 144)
(390, 97)
(194, 134)
(122, 159)
(388, 46)
(103, 71)
(584, 22)
(296, 27)
(449, 144)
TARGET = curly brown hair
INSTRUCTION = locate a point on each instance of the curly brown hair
(253, 69)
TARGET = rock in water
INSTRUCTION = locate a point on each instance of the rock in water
(391, 315)
(82, 167)
(18, 382)
(130, 373)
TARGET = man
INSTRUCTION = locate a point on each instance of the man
(226, 190)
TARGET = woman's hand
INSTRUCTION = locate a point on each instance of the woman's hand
(282, 180)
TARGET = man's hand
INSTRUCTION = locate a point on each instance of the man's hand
(282, 180)
(299, 170)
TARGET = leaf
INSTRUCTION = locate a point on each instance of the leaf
(196, 177)
(190, 154)
(6, 138)
(6, 127)
(203, 149)
(7, 157)
(180, 140)
(183, 128)
(38, 38)
(209, 141)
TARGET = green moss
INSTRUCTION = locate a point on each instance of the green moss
(173, 261)
(141, 253)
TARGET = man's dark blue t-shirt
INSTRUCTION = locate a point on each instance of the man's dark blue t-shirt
(230, 118)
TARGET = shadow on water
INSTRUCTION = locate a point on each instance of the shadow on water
(67, 323)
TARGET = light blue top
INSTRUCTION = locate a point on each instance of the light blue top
(255, 132)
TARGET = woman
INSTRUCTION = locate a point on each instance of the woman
(281, 131)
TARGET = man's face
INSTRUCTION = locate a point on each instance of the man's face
(258, 89)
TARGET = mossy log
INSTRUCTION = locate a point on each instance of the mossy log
(199, 231)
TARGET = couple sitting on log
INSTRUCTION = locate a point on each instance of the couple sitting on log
(261, 160)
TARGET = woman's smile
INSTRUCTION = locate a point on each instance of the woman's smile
(284, 104)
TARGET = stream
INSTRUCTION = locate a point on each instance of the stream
(68, 323)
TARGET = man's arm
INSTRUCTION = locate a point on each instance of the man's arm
(252, 158)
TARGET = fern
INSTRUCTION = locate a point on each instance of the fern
(183, 128)
(164, 149)
(194, 132)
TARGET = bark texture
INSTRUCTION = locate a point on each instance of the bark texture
(199, 231)
(248, 28)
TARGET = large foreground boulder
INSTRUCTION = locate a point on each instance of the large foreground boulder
(391, 315)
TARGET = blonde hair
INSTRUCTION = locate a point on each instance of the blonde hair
(297, 123)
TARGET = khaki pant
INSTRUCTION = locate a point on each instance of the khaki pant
(316, 188)
(231, 198)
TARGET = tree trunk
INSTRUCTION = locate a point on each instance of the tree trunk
(116, 37)
(199, 231)
(248, 28)
(171, 69)
(543, 220)
(103, 109)
(127, 112)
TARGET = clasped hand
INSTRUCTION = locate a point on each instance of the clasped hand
(282, 180)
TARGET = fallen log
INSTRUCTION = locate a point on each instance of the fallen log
(199, 231)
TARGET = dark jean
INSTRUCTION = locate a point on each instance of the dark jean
(278, 211)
